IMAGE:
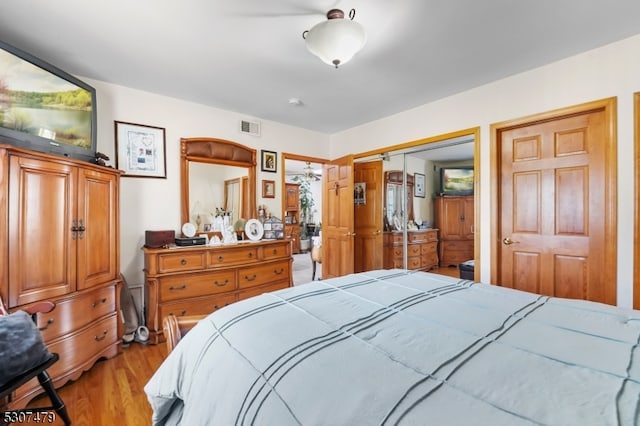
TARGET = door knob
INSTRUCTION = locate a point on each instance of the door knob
(508, 241)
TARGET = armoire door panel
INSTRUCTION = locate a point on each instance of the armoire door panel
(97, 205)
(42, 257)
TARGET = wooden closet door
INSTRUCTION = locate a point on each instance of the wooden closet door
(98, 213)
(42, 251)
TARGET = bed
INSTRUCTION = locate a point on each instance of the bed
(403, 347)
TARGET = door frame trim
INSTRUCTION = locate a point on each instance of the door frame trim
(609, 107)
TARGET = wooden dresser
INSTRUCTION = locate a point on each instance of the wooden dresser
(60, 242)
(201, 279)
(422, 249)
(455, 219)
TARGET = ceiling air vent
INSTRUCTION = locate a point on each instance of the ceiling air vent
(250, 127)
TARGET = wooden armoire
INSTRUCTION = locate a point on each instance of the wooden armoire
(60, 242)
(455, 220)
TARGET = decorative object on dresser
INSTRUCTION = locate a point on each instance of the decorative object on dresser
(199, 280)
(455, 220)
(422, 249)
(78, 204)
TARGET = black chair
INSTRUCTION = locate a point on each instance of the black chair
(39, 371)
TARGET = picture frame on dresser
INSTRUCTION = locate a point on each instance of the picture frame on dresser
(140, 150)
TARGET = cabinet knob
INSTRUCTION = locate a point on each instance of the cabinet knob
(183, 261)
(103, 300)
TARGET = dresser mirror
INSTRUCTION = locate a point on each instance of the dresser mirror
(395, 217)
(216, 173)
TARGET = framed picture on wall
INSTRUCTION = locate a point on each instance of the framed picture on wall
(268, 188)
(140, 150)
(419, 185)
(269, 161)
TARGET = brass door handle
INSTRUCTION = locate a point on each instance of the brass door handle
(508, 241)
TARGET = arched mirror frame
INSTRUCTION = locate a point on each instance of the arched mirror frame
(215, 151)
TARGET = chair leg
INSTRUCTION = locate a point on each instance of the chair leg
(56, 401)
(313, 275)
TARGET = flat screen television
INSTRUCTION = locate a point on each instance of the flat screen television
(44, 108)
(456, 181)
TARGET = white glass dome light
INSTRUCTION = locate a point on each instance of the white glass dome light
(336, 40)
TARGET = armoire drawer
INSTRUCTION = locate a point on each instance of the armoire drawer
(74, 313)
(178, 262)
(84, 345)
(196, 284)
(196, 306)
(263, 274)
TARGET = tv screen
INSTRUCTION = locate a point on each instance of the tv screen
(456, 181)
(45, 109)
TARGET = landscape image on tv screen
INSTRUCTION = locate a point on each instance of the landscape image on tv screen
(37, 102)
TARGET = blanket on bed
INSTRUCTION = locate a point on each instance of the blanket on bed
(403, 347)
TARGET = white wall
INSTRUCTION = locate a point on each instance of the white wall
(155, 203)
(610, 71)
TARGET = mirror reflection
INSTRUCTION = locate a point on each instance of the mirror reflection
(218, 178)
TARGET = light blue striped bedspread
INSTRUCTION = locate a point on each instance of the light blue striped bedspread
(400, 347)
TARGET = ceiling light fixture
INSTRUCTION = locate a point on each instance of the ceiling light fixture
(336, 40)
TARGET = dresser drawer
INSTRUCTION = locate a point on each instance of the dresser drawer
(196, 284)
(178, 262)
(228, 257)
(74, 313)
(414, 250)
(414, 263)
(394, 237)
(417, 236)
(432, 235)
(276, 251)
(430, 260)
(428, 248)
(263, 274)
(196, 306)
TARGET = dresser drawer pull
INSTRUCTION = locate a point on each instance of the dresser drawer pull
(99, 338)
(221, 284)
(250, 254)
(182, 287)
(103, 300)
(275, 251)
(49, 322)
(218, 307)
(246, 277)
(183, 261)
(220, 258)
(181, 314)
(279, 272)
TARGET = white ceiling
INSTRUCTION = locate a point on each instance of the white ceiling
(249, 56)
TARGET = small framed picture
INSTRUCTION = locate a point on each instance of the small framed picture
(420, 190)
(140, 150)
(269, 161)
(268, 188)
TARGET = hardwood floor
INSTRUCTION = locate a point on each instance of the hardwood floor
(111, 393)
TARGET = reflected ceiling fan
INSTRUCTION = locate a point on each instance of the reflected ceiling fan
(308, 173)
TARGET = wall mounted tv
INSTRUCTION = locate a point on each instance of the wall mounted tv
(44, 108)
(456, 181)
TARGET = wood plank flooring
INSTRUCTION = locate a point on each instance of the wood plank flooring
(111, 393)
